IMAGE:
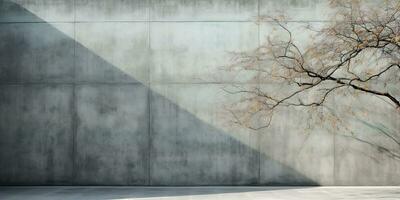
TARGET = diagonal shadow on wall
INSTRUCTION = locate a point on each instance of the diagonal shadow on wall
(68, 117)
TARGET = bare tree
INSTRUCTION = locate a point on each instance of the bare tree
(332, 61)
(358, 51)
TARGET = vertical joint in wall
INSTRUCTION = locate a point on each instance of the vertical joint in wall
(149, 96)
(74, 107)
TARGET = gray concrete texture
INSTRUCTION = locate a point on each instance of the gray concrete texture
(129, 92)
(199, 193)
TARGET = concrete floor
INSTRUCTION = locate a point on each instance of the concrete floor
(197, 193)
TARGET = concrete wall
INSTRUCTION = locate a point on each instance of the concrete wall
(129, 92)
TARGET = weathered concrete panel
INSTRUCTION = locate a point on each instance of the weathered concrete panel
(112, 134)
(36, 11)
(188, 150)
(301, 34)
(305, 156)
(298, 10)
(115, 10)
(33, 52)
(196, 52)
(36, 134)
(363, 163)
(294, 149)
(112, 52)
(367, 145)
(206, 10)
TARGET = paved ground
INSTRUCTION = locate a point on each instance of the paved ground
(197, 193)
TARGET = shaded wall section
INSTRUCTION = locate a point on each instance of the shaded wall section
(128, 92)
